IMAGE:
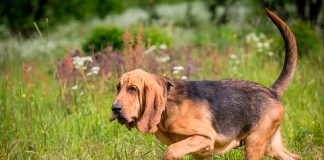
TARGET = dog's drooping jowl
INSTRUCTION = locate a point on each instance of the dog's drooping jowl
(202, 118)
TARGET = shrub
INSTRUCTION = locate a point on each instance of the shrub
(155, 35)
(102, 37)
(308, 42)
(307, 38)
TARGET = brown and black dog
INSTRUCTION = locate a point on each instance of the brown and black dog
(209, 117)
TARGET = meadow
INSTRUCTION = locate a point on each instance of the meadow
(45, 117)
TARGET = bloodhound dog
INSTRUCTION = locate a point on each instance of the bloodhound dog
(202, 118)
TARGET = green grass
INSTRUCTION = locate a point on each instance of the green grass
(37, 122)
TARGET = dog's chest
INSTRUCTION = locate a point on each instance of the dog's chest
(188, 118)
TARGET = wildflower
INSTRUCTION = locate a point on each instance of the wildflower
(266, 44)
(24, 95)
(87, 58)
(260, 45)
(184, 77)
(77, 62)
(163, 47)
(164, 59)
(252, 37)
(80, 61)
(150, 49)
(75, 87)
(233, 56)
(270, 53)
(179, 68)
(175, 72)
(93, 71)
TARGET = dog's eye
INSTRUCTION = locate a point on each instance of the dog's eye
(132, 89)
(118, 87)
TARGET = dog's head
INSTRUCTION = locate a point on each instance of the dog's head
(140, 101)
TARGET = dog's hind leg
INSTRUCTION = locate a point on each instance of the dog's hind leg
(256, 142)
(276, 149)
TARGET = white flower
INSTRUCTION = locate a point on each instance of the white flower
(76, 59)
(233, 56)
(87, 58)
(93, 71)
(184, 77)
(260, 45)
(237, 62)
(95, 68)
(175, 72)
(75, 87)
(252, 37)
(255, 38)
(179, 68)
(163, 46)
(266, 44)
(80, 61)
(270, 54)
(164, 59)
(149, 50)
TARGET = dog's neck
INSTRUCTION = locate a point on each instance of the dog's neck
(176, 93)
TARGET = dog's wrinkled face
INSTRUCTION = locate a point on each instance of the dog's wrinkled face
(127, 104)
(140, 101)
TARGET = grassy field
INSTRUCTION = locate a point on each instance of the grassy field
(39, 120)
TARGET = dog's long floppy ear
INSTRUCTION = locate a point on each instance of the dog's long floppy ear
(153, 103)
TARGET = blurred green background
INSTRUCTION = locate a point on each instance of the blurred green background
(60, 62)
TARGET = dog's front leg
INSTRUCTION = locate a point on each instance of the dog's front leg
(163, 137)
(190, 145)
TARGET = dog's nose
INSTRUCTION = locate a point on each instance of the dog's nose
(116, 108)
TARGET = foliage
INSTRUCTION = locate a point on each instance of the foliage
(307, 38)
(103, 36)
(155, 35)
(21, 15)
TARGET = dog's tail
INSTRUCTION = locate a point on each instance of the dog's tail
(281, 84)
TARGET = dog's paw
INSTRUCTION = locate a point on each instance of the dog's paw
(171, 154)
(168, 156)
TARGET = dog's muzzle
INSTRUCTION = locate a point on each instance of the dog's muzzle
(117, 114)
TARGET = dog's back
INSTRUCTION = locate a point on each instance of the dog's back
(236, 105)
